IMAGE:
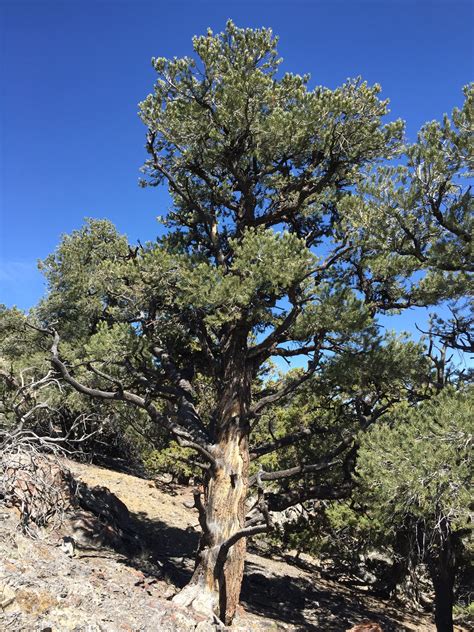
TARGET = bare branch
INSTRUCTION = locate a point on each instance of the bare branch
(276, 335)
(288, 387)
(324, 464)
(282, 500)
(187, 411)
(183, 436)
(282, 442)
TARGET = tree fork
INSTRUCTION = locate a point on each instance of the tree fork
(215, 585)
(217, 579)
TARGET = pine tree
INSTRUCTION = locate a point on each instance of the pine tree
(262, 258)
(418, 472)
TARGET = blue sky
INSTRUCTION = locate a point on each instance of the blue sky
(72, 74)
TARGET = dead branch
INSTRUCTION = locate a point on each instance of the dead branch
(187, 437)
(33, 479)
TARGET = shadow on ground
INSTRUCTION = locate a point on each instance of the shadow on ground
(166, 552)
(305, 601)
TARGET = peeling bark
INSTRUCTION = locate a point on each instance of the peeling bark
(217, 579)
(215, 585)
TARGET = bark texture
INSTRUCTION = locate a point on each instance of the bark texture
(215, 585)
(217, 579)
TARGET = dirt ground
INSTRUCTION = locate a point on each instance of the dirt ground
(42, 589)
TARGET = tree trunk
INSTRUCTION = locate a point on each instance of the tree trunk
(443, 604)
(442, 571)
(215, 585)
(217, 579)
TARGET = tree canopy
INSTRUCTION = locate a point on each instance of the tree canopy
(418, 472)
(298, 216)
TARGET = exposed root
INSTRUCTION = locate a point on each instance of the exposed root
(200, 599)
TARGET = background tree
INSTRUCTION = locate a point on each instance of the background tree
(262, 259)
(355, 390)
(37, 407)
(418, 471)
(422, 210)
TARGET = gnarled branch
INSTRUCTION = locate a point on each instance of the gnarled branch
(184, 437)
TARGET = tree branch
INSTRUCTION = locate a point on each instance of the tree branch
(275, 336)
(187, 411)
(283, 500)
(282, 442)
(285, 389)
(324, 464)
(183, 436)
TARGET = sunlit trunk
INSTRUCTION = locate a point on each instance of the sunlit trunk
(217, 579)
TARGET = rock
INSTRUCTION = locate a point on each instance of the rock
(165, 477)
(366, 626)
(102, 519)
(205, 626)
(7, 596)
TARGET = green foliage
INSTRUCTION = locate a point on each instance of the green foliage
(423, 210)
(289, 232)
(19, 344)
(22, 362)
(170, 460)
(384, 369)
(265, 176)
(84, 278)
(464, 614)
(421, 466)
(240, 147)
(265, 265)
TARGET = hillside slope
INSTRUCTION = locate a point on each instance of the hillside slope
(100, 589)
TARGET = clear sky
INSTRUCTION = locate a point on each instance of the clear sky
(72, 73)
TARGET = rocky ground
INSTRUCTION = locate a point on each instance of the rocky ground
(102, 589)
